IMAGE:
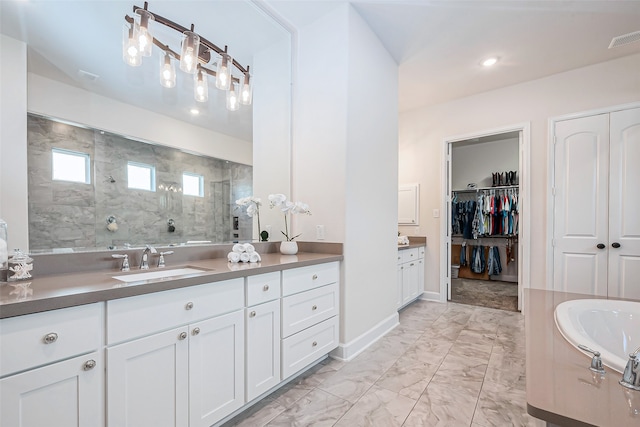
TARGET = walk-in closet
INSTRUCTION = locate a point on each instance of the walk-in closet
(485, 213)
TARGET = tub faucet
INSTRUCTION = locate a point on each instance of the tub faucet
(631, 374)
(144, 261)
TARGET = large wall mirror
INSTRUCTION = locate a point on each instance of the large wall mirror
(77, 79)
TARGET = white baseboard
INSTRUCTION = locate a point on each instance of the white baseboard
(430, 296)
(348, 351)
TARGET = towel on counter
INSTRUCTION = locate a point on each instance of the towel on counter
(244, 257)
(238, 248)
(249, 248)
(254, 257)
(403, 240)
(243, 253)
(233, 257)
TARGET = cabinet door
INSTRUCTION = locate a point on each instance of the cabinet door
(624, 204)
(67, 393)
(420, 276)
(216, 368)
(148, 381)
(263, 348)
(399, 285)
(580, 217)
(414, 279)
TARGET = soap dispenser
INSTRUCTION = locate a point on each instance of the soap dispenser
(20, 266)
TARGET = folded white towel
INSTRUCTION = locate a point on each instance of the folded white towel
(254, 257)
(238, 248)
(403, 240)
(244, 257)
(249, 248)
(233, 257)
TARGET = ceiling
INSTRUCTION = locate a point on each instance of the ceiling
(65, 37)
(440, 44)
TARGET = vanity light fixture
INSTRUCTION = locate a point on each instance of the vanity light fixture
(196, 53)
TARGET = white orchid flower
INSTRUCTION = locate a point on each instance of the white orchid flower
(252, 209)
(301, 208)
(277, 199)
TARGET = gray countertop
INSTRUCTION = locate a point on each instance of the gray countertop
(55, 291)
(560, 387)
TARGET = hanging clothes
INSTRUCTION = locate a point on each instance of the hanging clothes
(494, 267)
(478, 263)
(463, 254)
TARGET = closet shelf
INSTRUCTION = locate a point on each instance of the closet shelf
(495, 236)
(475, 190)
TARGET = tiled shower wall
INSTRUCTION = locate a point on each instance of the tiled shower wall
(74, 215)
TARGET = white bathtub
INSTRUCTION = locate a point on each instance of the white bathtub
(608, 326)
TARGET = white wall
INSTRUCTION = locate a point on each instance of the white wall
(476, 162)
(423, 131)
(344, 157)
(13, 140)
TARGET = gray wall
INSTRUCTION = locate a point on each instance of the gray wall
(66, 214)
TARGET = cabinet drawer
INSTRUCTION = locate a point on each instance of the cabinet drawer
(42, 338)
(262, 288)
(301, 349)
(421, 251)
(410, 254)
(305, 309)
(142, 315)
(305, 278)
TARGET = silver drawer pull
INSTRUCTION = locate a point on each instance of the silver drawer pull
(265, 288)
(315, 307)
(182, 336)
(89, 365)
(315, 276)
(50, 338)
(314, 344)
(195, 331)
(252, 314)
(189, 306)
(411, 265)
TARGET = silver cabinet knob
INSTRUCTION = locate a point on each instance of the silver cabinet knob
(50, 338)
(314, 344)
(315, 276)
(265, 288)
(314, 307)
(189, 306)
(252, 314)
(89, 365)
(182, 336)
(195, 331)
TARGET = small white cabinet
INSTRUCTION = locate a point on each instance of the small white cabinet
(52, 368)
(410, 275)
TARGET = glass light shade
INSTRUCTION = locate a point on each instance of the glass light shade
(246, 91)
(189, 52)
(201, 89)
(223, 74)
(167, 71)
(233, 98)
(145, 39)
(130, 52)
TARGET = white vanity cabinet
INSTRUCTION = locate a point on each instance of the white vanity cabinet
(177, 356)
(262, 320)
(53, 373)
(310, 306)
(410, 275)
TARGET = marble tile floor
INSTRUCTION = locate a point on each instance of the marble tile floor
(444, 365)
(485, 293)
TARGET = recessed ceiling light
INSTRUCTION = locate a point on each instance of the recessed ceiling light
(490, 62)
(194, 111)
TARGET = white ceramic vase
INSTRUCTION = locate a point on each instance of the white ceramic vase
(289, 248)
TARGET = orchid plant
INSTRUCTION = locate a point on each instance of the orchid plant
(288, 208)
(253, 208)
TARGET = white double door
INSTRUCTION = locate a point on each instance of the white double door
(596, 242)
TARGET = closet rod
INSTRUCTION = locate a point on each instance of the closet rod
(475, 190)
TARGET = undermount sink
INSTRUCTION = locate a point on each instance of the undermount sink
(608, 326)
(160, 274)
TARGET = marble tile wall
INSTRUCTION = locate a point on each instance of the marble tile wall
(66, 214)
(444, 365)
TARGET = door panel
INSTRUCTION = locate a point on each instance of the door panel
(580, 208)
(624, 201)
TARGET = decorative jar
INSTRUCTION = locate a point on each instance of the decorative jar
(288, 248)
(20, 266)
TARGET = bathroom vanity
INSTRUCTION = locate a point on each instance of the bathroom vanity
(561, 389)
(410, 272)
(87, 349)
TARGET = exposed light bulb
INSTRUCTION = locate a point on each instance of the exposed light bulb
(130, 53)
(167, 71)
(223, 75)
(246, 93)
(189, 52)
(489, 62)
(145, 39)
(233, 100)
(201, 89)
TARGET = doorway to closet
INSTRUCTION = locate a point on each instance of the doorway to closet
(483, 239)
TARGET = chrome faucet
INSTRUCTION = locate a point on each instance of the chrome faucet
(161, 259)
(596, 361)
(144, 261)
(631, 374)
